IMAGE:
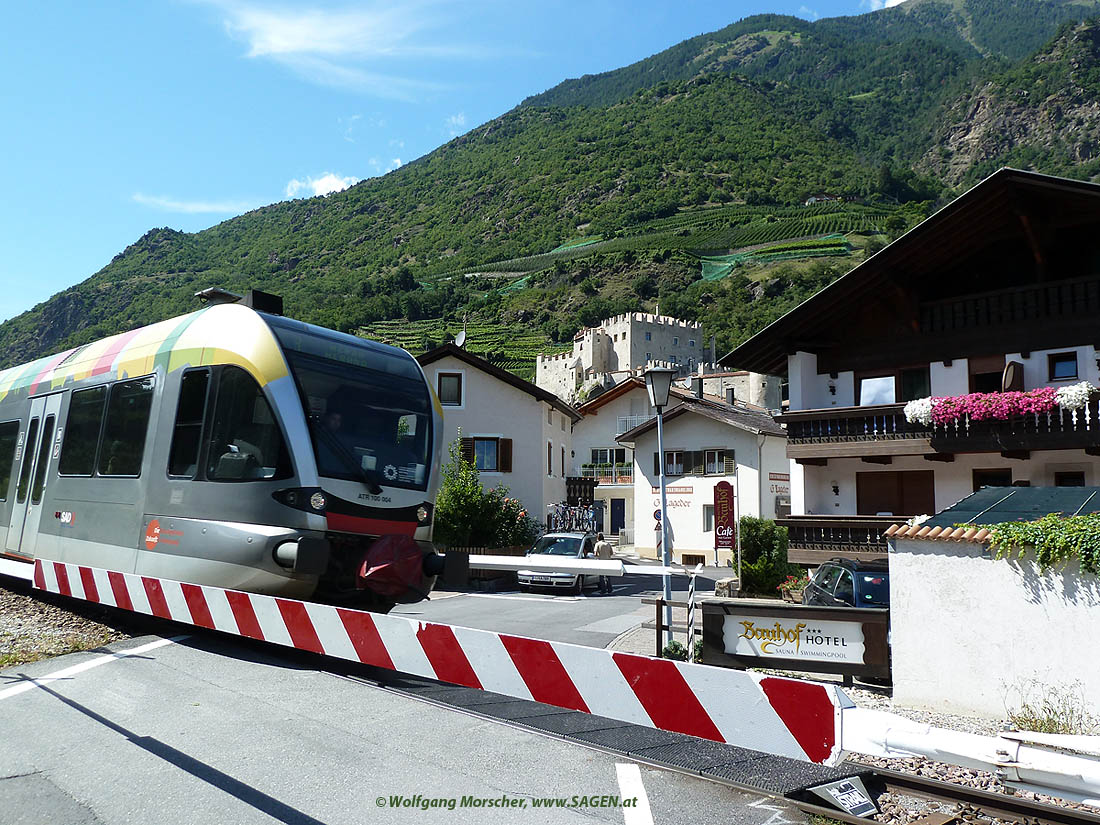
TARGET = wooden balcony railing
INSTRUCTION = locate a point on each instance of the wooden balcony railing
(838, 424)
(813, 539)
(882, 429)
(1056, 430)
(1021, 305)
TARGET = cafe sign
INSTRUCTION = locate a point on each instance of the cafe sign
(794, 638)
(725, 522)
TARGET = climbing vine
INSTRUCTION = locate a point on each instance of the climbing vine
(1055, 540)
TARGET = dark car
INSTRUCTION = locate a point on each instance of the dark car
(848, 583)
(567, 545)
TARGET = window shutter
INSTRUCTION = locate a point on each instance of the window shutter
(504, 455)
(728, 463)
(697, 468)
(657, 464)
(468, 450)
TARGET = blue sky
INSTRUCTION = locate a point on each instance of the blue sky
(125, 116)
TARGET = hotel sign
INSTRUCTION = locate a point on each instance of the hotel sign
(743, 633)
(725, 523)
(794, 638)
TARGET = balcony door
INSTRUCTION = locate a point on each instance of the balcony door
(902, 493)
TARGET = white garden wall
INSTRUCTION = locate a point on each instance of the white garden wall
(971, 634)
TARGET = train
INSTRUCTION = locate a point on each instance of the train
(232, 447)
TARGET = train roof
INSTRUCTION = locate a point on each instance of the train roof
(218, 334)
(221, 334)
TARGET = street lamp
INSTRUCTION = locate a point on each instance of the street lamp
(658, 382)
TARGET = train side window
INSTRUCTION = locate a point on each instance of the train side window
(9, 435)
(28, 460)
(43, 460)
(183, 460)
(245, 442)
(82, 432)
(126, 427)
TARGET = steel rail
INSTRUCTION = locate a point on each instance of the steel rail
(1004, 806)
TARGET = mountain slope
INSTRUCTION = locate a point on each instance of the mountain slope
(764, 45)
(1043, 113)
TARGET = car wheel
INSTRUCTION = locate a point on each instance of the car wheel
(578, 586)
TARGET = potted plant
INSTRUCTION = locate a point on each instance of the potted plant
(792, 588)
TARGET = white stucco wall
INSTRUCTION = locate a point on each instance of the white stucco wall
(810, 390)
(971, 633)
(1036, 366)
(953, 480)
(953, 380)
(687, 494)
(492, 408)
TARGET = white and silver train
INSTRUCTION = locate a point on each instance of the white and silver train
(227, 447)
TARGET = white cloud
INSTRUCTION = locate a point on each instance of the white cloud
(875, 5)
(456, 124)
(169, 204)
(381, 168)
(808, 13)
(326, 184)
(331, 47)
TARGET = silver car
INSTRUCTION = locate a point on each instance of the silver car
(566, 545)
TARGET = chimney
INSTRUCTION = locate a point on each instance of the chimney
(698, 382)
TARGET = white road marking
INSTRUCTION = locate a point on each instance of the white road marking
(631, 787)
(31, 684)
(543, 599)
(776, 818)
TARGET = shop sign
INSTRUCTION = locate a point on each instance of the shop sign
(725, 523)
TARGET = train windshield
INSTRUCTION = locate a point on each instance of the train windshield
(369, 410)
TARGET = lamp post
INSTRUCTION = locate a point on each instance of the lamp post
(658, 382)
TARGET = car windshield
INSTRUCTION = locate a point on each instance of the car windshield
(874, 589)
(557, 545)
(368, 406)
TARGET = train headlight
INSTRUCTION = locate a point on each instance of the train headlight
(424, 514)
(317, 501)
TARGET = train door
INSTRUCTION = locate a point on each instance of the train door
(33, 457)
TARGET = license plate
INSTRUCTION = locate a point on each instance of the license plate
(541, 579)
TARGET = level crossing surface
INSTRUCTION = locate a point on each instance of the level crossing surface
(209, 730)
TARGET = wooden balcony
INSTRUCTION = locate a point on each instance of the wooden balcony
(838, 432)
(878, 432)
(815, 539)
(1057, 430)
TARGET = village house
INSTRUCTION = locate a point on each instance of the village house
(706, 441)
(996, 294)
(516, 434)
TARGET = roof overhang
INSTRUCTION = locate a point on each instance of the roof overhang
(1009, 205)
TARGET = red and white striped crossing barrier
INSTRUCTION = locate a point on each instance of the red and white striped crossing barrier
(786, 717)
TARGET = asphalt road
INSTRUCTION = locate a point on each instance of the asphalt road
(214, 730)
(589, 619)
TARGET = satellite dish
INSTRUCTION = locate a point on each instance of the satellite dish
(1012, 379)
(460, 339)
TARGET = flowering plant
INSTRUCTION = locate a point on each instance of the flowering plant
(919, 411)
(997, 406)
(1075, 396)
(793, 583)
(989, 406)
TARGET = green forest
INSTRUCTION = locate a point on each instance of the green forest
(725, 179)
